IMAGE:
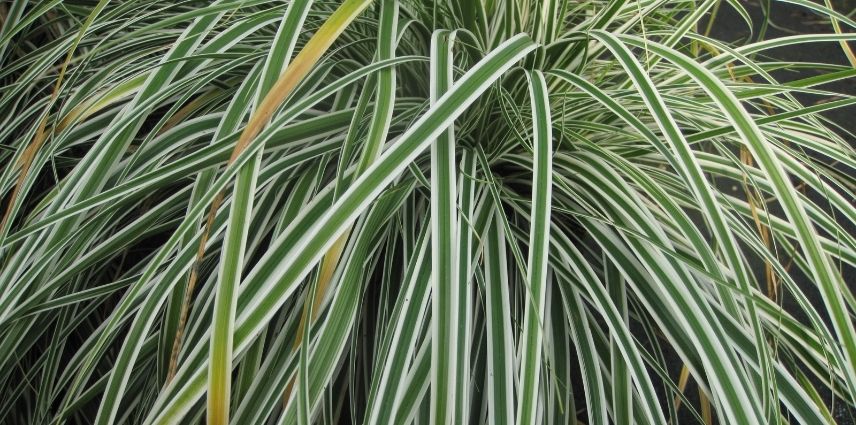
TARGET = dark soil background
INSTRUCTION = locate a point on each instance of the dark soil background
(787, 19)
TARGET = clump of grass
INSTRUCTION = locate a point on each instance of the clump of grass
(404, 211)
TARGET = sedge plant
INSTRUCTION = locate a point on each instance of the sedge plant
(397, 211)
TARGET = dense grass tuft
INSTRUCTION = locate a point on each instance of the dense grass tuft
(254, 211)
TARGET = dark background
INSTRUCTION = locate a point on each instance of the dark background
(786, 19)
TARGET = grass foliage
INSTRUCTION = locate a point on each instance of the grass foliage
(396, 211)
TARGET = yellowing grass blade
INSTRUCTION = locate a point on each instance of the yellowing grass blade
(220, 372)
